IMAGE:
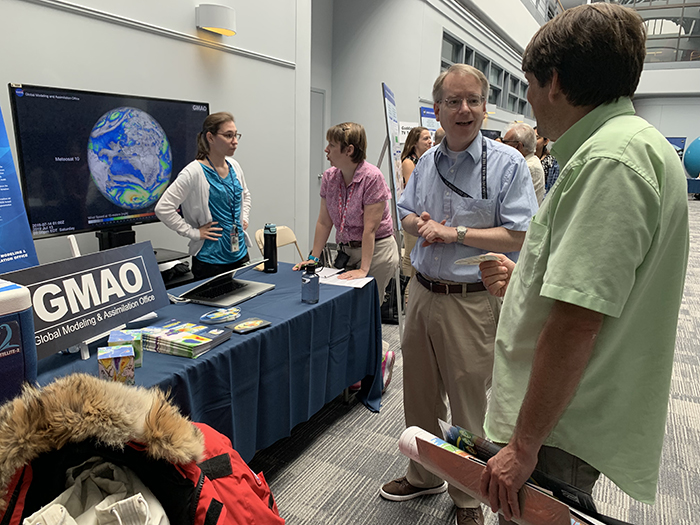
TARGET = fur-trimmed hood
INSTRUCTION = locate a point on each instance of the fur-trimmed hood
(80, 407)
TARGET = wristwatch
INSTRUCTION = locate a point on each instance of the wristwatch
(461, 232)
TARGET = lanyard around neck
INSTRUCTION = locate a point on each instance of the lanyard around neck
(216, 170)
(344, 205)
(231, 184)
(458, 191)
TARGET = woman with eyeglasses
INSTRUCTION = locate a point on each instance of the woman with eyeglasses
(214, 199)
(418, 142)
(355, 199)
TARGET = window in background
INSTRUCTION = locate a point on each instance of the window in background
(452, 51)
(482, 64)
(506, 90)
(512, 103)
(673, 29)
(496, 81)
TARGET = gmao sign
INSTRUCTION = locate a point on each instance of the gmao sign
(76, 299)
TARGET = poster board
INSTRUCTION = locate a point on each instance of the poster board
(392, 142)
(16, 245)
(678, 144)
(428, 120)
(392, 131)
(404, 129)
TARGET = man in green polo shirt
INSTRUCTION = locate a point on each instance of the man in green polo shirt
(585, 343)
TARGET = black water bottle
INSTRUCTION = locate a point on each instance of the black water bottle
(270, 248)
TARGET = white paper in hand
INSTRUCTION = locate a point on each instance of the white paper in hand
(477, 259)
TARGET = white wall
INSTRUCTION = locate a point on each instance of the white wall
(672, 116)
(674, 79)
(321, 84)
(322, 48)
(512, 17)
(668, 97)
(268, 94)
(399, 42)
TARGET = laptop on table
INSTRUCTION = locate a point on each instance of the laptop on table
(224, 290)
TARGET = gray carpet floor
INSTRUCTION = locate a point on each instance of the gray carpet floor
(329, 471)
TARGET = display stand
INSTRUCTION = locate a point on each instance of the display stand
(398, 237)
(81, 347)
(115, 238)
(391, 144)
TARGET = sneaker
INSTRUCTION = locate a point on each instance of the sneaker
(387, 368)
(469, 516)
(401, 490)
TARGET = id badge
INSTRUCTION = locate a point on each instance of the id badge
(234, 239)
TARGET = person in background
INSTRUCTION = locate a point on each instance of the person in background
(467, 196)
(549, 163)
(418, 142)
(211, 192)
(355, 199)
(584, 349)
(439, 135)
(522, 137)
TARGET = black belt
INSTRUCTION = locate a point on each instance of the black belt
(358, 244)
(447, 289)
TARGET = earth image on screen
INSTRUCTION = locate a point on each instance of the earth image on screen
(129, 158)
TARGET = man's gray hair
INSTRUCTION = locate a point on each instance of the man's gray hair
(525, 134)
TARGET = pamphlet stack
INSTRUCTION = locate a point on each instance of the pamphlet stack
(183, 339)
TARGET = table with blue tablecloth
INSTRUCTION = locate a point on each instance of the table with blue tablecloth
(255, 388)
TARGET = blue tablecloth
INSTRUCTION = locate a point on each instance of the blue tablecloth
(255, 388)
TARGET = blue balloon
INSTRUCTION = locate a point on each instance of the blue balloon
(691, 158)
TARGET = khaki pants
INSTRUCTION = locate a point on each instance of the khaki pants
(409, 241)
(384, 262)
(448, 356)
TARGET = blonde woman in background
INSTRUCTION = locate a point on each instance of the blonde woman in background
(417, 143)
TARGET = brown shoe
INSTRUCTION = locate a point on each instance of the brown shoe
(469, 516)
(401, 490)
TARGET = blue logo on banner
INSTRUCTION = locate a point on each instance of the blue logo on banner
(426, 112)
(16, 245)
(6, 346)
(19, 92)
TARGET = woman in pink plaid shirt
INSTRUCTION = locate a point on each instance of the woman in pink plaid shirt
(355, 199)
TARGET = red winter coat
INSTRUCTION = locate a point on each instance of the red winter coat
(191, 468)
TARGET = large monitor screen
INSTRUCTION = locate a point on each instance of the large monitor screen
(93, 161)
